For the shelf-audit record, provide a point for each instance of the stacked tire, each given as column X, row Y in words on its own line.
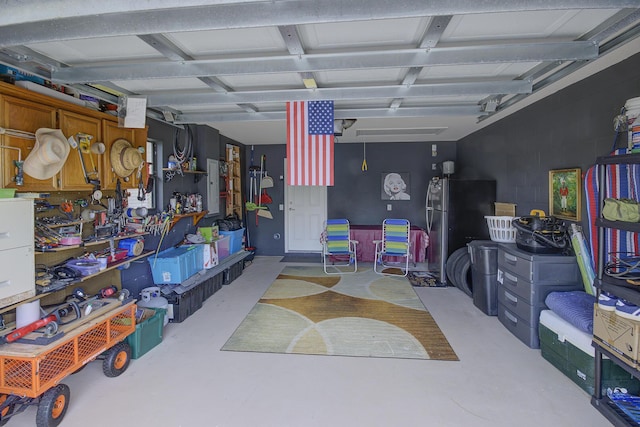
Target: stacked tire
column 458, row 268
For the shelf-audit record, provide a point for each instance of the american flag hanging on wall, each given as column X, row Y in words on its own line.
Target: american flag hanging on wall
column 310, row 143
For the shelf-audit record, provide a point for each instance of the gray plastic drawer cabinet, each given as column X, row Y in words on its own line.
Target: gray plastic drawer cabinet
column 524, row 281
column 537, row 268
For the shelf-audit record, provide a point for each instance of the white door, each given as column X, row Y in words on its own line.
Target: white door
column 305, row 214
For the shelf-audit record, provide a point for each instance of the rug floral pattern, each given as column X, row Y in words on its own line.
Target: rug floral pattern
column 364, row 314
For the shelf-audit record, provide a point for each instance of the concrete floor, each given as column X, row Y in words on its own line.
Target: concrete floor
column 187, row 381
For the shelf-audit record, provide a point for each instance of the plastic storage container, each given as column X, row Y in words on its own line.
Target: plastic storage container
column 484, row 269
column 185, row 304
column 212, row 285
column 175, row 265
column 524, row 281
column 224, row 250
column 569, row 349
column 232, row 273
column 148, row 333
column 235, row 242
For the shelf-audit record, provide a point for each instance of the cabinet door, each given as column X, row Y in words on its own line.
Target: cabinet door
column 111, row 133
column 18, row 114
column 72, row 175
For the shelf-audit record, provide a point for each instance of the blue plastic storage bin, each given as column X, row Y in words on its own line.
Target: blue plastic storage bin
column 235, row 240
column 175, row 265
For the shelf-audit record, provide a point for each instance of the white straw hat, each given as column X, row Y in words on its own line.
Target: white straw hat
column 48, row 155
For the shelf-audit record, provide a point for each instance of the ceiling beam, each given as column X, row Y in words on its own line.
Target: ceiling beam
column 435, row 110
column 93, row 18
column 177, row 98
column 291, row 38
column 477, row 54
column 430, row 39
column 165, row 46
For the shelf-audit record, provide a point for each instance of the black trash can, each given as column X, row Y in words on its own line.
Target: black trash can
column 484, row 272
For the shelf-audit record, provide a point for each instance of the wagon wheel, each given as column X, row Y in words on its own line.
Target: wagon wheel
column 53, row 406
column 6, row 410
column 116, row 359
column 79, row 369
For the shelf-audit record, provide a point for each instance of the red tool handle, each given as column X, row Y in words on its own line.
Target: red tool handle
column 27, row 329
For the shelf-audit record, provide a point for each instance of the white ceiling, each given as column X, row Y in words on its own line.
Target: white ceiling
column 407, row 70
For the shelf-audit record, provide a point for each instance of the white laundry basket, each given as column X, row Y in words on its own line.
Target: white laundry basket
column 500, row 228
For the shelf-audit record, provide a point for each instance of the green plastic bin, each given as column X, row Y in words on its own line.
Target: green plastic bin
column 148, row 334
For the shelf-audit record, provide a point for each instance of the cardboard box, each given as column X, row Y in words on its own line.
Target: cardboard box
column 505, row 209
column 209, row 233
column 210, row 255
column 617, row 333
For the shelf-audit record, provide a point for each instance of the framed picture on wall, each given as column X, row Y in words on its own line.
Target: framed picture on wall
column 396, row 186
column 565, row 199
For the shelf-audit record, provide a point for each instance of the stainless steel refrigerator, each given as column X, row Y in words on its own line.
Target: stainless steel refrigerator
column 455, row 211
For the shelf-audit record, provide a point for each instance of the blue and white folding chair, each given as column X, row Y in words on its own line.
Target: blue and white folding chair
column 393, row 251
column 338, row 250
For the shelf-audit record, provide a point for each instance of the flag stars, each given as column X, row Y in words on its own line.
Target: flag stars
column 320, row 117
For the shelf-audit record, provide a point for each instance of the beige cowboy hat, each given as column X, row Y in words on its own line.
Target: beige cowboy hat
column 124, row 158
column 48, row 155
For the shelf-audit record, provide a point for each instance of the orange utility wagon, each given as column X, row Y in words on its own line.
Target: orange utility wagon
column 30, row 374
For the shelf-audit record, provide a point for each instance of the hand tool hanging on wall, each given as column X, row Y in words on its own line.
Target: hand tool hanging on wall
column 141, row 190
column 365, row 167
column 262, row 211
column 265, row 181
column 83, row 146
column 19, row 164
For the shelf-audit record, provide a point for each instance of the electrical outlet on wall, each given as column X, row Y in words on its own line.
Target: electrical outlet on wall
column 389, row 207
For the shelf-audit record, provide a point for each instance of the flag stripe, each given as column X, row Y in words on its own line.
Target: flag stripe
column 309, row 153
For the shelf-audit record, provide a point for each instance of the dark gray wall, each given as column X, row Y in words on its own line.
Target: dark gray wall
column 356, row 195
column 565, row 130
column 208, row 143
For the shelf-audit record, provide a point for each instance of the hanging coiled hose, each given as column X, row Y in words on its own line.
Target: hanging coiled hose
column 185, row 153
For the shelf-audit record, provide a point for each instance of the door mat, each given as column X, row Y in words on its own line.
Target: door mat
column 315, row 258
column 424, row 279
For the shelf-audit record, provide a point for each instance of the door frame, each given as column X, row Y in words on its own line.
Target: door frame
column 286, row 210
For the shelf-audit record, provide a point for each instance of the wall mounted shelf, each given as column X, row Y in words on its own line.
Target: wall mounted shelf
column 171, row 173
column 196, row 216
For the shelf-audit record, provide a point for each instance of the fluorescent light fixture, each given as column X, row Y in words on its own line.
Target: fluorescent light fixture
column 401, row 131
column 309, row 81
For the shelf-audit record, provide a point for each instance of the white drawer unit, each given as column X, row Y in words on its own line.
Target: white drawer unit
column 17, row 262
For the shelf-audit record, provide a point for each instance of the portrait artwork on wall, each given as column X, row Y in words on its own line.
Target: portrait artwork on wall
column 396, row 186
column 565, row 193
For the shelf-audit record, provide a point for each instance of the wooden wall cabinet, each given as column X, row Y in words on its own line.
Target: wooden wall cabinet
column 112, row 133
column 23, row 115
column 28, row 111
column 72, row 174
